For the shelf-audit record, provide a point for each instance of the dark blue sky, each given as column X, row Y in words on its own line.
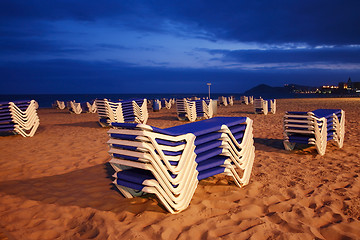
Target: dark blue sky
column 145, row 46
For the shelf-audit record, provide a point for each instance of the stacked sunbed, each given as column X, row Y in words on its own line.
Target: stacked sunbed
column 272, row 106
column 204, row 109
column 90, row 107
column 251, row 99
column 156, row 104
column 86, row 107
column 314, row 128
column 74, row 107
column 222, row 100
column 170, row 162
column 59, row 104
column 244, row 100
column 230, row 100
column 19, row 117
column 194, row 109
column 261, row 106
column 166, row 103
column 186, row 109
column 134, row 110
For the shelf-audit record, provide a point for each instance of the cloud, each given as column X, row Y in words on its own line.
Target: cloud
column 340, row 54
column 111, row 46
column 279, row 21
column 38, row 46
column 62, row 9
column 172, row 46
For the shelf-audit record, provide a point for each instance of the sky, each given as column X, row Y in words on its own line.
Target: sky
column 148, row 46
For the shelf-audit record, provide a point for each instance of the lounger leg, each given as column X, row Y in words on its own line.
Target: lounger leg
column 321, row 148
column 288, row 145
column 340, row 132
column 128, row 192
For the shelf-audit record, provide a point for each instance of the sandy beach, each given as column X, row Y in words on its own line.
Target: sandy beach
column 57, row 184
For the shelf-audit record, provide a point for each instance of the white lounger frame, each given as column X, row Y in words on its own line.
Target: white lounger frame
column 308, row 123
column 175, row 193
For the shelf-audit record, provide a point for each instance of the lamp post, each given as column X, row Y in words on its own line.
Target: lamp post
column 209, row 84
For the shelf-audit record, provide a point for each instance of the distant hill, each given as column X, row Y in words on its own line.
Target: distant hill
column 266, row 91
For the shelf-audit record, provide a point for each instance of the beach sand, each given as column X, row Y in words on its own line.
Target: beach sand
column 57, row 185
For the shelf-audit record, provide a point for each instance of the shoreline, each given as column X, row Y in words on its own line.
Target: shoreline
column 46, row 100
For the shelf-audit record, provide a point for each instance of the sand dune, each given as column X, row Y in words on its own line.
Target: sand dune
column 57, row 185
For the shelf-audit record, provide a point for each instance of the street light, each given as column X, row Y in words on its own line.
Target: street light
column 209, row 84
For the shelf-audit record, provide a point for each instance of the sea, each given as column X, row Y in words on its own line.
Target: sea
column 46, row 100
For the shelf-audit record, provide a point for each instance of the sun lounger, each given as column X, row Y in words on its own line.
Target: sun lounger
column 194, row 109
column 261, row 106
column 230, row 100
column 272, row 106
column 186, row 109
column 206, row 172
column 244, row 100
column 59, row 104
column 251, row 99
column 165, row 103
column 134, row 110
column 335, row 124
column 75, row 107
column 91, row 107
column 102, row 112
column 314, row 128
column 223, row 101
column 137, row 109
column 156, row 105
column 19, row 117
column 170, row 162
column 204, row 109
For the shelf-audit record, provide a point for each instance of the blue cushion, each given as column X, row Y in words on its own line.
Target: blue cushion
column 211, row 162
column 326, row 112
column 202, row 127
column 210, row 172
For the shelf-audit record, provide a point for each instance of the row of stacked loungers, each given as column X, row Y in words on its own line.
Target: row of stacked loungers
column 314, row 128
column 75, row 107
column 122, row 111
column 263, row 106
column 204, row 108
column 245, row 100
column 19, row 117
column 83, row 107
column 170, row 162
column 59, row 104
column 157, row 104
column 222, row 100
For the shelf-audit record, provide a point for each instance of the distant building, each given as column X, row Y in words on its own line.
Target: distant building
column 356, row 87
column 349, row 84
column 329, row 89
column 294, row 88
column 353, row 86
column 342, row 86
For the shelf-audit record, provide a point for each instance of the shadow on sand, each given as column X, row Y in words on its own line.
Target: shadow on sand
column 89, row 187
column 87, row 124
column 276, row 145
